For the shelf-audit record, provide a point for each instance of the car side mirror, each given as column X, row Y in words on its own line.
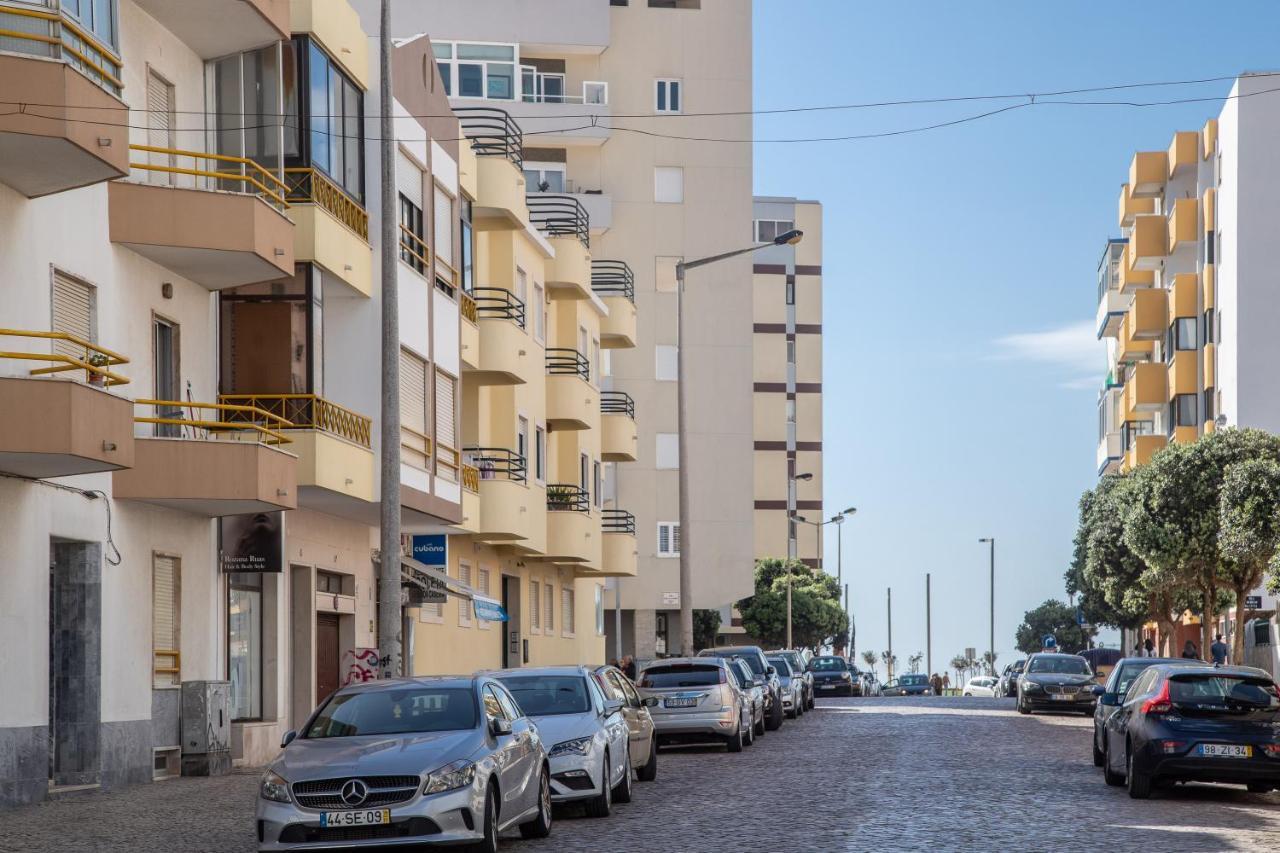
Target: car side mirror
column 649, row 701
column 1099, row 690
column 1110, row 699
column 771, row 670
column 612, row 706
column 499, row 727
column 288, row 738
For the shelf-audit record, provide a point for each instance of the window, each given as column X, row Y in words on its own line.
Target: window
column 464, row 606
column 413, row 250
column 166, row 572
column 791, row 352
column 246, row 87
column 550, row 599
column 791, row 411
column 477, row 70
column 664, row 274
column 567, row 621
column 595, row 361
column 335, row 110
column 534, row 620
column 664, row 363
column 74, row 313
column 539, row 314
column 160, row 124
column 668, row 450
column 414, row 443
column 600, row 612
column 522, row 285
column 522, row 437
column 446, row 431
column 544, row 177
column 1184, row 333
column 492, row 707
column 595, row 483
column 467, row 262
column 98, row 16
column 584, row 471
column 1184, row 410
column 443, row 230
column 539, row 454
column 668, row 539
column 165, row 353
column 668, row 184
column 595, row 92
column 1210, row 333
column 1208, row 405
column 666, row 96
column 244, row 645
column 768, row 229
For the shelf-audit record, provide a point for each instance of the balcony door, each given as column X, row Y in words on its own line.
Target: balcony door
column 160, row 128
column 164, row 347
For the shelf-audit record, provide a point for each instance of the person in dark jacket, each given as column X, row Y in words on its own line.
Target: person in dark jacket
column 1189, row 651
column 629, row 667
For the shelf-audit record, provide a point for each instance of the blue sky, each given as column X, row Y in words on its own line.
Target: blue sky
column 961, row 370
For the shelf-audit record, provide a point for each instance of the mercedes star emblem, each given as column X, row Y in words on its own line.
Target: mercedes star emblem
column 354, row 792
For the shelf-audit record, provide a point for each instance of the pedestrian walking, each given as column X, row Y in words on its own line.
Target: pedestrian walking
column 1137, row 650
column 936, row 683
column 1189, row 651
column 1148, row 648
column 1219, row 651
column 946, row 681
column 629, row 667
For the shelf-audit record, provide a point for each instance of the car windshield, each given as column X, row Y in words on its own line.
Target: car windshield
column 395, row 711
column 913, row 680
column 1066, row 665
column 1128, row 673
column 549, row 695
column 829, row 665
column 1228, row 691
column 681, row 676
column 782, row 666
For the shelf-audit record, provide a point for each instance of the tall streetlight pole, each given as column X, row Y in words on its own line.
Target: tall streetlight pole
column 789, row 238
column 928, row 622
column 835, row 519
column 991, row 649
column 888, row 605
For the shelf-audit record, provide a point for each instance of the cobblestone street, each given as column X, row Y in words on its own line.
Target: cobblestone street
column 859, row 774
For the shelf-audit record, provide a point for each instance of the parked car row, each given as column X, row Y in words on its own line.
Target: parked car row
column 459, row 760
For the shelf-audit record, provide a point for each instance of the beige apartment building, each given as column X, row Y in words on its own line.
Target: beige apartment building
column 573, row 76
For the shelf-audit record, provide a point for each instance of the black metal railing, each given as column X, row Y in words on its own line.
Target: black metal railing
column 566, row 498
column 496, row 463
column 493, row 133
column 617, row 403
column 618, row 521
column 559, row 216
column 567, row 362
column 613, row 278
column 495, row 303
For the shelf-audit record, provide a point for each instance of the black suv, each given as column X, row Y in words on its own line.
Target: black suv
column 764, row 673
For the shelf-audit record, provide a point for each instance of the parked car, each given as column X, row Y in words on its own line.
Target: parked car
column 589, row 753
column 831, row 675
column 1111, row 695
column 792, row 687
column 635, row 710
column 755, row 658
column 1056, row 682
column 1009, row 678
column 981, row 685
column 416, row 760
column 697, row 700
column 911, row 684
column 751, row 687
column 799, row 661
column 1195, row 724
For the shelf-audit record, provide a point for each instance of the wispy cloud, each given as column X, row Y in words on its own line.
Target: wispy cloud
column 1072, row 348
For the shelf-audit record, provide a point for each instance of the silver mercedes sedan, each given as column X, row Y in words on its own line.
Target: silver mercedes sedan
column 441, row 760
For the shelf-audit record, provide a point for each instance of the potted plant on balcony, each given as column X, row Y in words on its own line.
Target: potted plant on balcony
column 97, row 360
column 561, row 497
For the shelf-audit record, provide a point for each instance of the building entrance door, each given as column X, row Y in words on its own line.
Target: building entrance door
column 327, row 655
column 512, row 645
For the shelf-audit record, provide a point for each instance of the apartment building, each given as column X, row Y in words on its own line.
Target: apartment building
column 188, row 390
column 562, row 70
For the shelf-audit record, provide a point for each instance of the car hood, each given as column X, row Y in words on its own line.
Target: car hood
column 330, row 758
column 555, row 728
column 831, row 675
column 1044, row 678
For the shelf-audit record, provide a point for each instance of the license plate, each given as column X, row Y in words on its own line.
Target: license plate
column 680, row 703
column 367, row 817
column 826, row 687
column 1224, row 750
column 1061, row 697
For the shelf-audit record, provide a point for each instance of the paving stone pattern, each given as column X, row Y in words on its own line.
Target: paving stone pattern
column 857, row 774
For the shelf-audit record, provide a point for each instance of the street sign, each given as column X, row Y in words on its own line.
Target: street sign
column 1049, row 643
column 431, row 549
column 971, row 653
column 1253, row 602
column 671, row 599
column 488, row 610
column 1080, row 620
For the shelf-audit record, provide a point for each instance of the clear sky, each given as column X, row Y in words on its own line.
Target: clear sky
column 961, row 367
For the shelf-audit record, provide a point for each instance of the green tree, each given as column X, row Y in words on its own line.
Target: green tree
column 706, row 624
column 959, row 663
column 1104, row 571
column 889, row 661
column 816, row 615
column 1250, row 531
column 913, row 661
column 870, row 659
column 1056, row 618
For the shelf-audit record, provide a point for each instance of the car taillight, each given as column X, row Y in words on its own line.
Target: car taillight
column 1271, row 749
column 1160, row 703
column 1171, row 747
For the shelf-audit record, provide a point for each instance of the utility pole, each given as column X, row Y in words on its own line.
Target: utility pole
column 889, row 608
column 991, row 541
column 928, row 623
column 848, row 623
column 389, row 609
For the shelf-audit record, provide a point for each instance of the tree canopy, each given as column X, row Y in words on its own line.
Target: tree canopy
column 1056, row 618
column 817, row 618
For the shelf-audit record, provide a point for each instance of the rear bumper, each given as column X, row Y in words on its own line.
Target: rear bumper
column 1237, row 771
column 716, row 724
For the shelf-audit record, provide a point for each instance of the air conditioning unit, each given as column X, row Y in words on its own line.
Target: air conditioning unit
column 205, row 725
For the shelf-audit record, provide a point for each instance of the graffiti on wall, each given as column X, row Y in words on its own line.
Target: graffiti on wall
column 359, row 666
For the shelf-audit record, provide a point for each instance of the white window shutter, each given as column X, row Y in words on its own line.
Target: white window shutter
column 164, row 619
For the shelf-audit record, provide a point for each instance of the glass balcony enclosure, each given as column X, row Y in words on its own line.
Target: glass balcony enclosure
column 246, row 93
column 82, row 33
column 497, row 72
column 324, row 118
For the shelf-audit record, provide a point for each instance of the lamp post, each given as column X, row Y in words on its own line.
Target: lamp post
column 837, row 519
column 991, row 540
column 789, row 238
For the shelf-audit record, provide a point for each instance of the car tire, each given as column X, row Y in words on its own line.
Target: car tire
column 1022, row 708
column 812, row 702
column 540, row 826
column 775, row 718
column 749, row 737
column 622, row 791
column 759, row 728
column 649, row 771
column 1139, row 784
column 601, row 805
column 489, row 843
column 968, row 694
column 799, row 706
column 1112, row 778
column 733, row 742
column 1098, row 758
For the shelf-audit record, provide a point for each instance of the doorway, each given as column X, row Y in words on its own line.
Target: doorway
column 327, row 655
column 75, row 663
column 511, row 638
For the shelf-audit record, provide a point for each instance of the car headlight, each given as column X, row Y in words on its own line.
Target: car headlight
column 1030, row 687
column 846, row 676
column 577, row 746
column 274, row 787
column 459, row 774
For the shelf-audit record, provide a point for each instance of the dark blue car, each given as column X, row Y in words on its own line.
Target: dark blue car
column 912, row 684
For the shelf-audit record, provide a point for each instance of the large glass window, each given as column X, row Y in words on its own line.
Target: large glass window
column 466, row 263
column 334, row 106
column 412, row 244
column 244, row 645
column 97, row 16
column 246, row 93
column 477, row 70
column 1184, row 410
column 270, row 336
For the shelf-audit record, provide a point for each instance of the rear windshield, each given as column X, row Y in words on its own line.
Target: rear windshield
column 548, row 695
column 388, row 712
column 681, row 676
column 830, row 665
column 781, row 665
column 1067, row 665
column 911, row 680
column 1226, row 690
column 753, row 660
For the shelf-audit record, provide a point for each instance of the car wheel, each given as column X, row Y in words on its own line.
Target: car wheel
column 649, row 771
column 1022, row 708
column 749, row 736
column 758, row 726
column 968, row 694
column 775, row 716
column 734, row 741
column 1098, row 757
column 489, row 844
column 799, row 706
column 1139, row 783
column 622, row 792
column 812, row 701
column 1109, row 776
column 540, row 826
column 601, row 805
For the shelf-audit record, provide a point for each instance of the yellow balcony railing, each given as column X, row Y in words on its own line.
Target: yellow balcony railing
column 414, row 250
column 253, row 178
column 307, row 411
column 471, row 478
column 62, row 38
column 206, row 420
column 307, row 185
column 70, row 353
column 467, row 305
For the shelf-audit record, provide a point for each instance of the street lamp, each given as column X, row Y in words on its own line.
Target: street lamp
column 990, row 540
column 788, row 238
column 837, row 519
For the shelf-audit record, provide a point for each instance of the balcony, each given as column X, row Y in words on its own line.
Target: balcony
column 1141, row 449
column 564, row 221
column 1184, row 223
column 1145, row 390
column 1210, row 366
column 499, row 148
column 1185, row 434
column 1109, row 453
column 1184, row 373
column 1184, row 151
column 1147, row 173
column 225, row 229
column 210, row 459
column 333, row 445
column 599, row 207
column 620, row 556
column 1183, row 295
column 470, row 478
column 1131, row 349
column 215, row 28
column 1149, row 314
column 1131, row 279
column 510, row 511
column 1112, row 308
column 618, row 437
column 563, row 121
column 614, row 283
column 61, row 427
column 332, row 228
column 72, row 130
column 469, row 331
column 1209, row 138
column 1148, row 243
column 1131, row 207
column 504, row 352
column 573, row 533
column 572, row 401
